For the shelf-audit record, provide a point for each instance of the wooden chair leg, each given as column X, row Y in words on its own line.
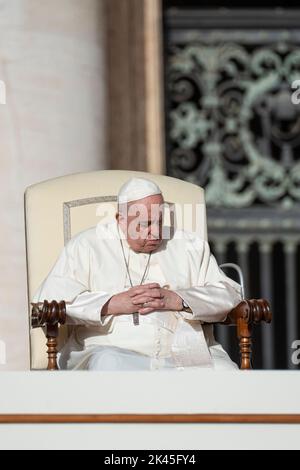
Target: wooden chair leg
column 245, row 315
column 52, row 335
column 244, row 331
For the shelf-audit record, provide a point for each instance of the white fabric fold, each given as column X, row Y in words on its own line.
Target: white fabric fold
column 213, row 294
column 189, row 348
column 86, row 309
column 211, row 302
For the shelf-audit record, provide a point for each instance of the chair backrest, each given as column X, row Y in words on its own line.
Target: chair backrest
column 58, row 209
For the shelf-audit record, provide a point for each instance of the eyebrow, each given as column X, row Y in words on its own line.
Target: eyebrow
column 150, row 221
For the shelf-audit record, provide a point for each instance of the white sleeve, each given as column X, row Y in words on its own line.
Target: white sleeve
column 69, row 281
column 211, row 300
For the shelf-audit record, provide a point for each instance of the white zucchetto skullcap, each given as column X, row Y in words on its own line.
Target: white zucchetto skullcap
column 137, row 188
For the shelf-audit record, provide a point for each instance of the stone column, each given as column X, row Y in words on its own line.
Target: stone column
column 53, row 123
column 135, row 85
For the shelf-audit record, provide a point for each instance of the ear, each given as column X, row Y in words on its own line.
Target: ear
column 119, row 217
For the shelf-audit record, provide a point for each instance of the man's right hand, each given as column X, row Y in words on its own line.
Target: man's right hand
column 122, row 303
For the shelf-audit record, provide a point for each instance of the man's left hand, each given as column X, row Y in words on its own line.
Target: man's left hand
column 171, row 300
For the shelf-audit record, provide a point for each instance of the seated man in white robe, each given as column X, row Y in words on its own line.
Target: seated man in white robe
column 137, row 300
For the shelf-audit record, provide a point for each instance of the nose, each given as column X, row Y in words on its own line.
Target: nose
column 154, row 233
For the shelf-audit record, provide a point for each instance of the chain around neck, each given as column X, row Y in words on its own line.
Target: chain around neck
column 135, row 315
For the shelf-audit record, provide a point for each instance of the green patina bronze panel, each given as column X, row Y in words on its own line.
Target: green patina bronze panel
column 232, row 125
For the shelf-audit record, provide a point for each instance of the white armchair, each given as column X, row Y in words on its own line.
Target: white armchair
column 57, row 209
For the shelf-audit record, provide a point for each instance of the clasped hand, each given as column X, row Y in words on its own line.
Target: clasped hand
column 144, row 299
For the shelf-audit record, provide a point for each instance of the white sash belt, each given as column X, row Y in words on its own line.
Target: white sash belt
column 164, row 320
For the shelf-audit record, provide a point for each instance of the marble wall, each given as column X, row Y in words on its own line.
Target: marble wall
column 52, row 64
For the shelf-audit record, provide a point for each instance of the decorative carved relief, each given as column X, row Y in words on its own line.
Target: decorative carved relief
column 233, row 127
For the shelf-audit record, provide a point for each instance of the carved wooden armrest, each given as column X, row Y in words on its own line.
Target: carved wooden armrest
column 49, row 315
column 246, row 314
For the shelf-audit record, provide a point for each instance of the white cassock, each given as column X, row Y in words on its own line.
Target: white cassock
column 91, row 269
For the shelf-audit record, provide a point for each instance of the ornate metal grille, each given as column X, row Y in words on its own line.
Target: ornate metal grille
column 233, row 129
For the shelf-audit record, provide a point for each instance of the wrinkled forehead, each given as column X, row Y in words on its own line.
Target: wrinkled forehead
column 145, row 209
